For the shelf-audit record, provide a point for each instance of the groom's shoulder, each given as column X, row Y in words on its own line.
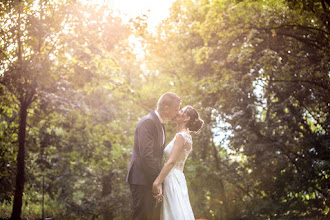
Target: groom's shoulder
column 147, row 120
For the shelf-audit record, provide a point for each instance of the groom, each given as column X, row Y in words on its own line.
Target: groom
column 145, row 165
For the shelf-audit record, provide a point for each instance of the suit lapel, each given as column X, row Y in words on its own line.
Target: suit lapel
column 159, row 129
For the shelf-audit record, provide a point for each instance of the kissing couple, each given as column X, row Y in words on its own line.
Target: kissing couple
column 161, row 192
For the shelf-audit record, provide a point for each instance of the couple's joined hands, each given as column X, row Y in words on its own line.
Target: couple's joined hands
column 157, row 192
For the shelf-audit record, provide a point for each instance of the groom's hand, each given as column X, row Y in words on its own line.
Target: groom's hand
column 159, row 197
column 157, row 192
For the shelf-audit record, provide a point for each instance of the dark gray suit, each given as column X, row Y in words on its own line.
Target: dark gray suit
column 145, row 166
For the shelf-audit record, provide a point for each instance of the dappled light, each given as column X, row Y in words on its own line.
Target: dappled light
column 76, row 77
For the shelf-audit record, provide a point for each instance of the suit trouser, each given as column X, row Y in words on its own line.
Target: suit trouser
column 143, row 203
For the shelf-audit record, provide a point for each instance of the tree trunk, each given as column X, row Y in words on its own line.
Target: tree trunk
column 20, row 174
column 225, row 209
column 106, row 191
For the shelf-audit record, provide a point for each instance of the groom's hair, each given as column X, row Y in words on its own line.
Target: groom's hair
column 167, row 99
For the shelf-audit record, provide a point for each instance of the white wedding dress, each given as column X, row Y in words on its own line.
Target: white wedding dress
column 176, row 204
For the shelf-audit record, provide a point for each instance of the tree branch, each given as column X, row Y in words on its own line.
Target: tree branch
column 4, row 54
column 53, row 47
column 302, row 81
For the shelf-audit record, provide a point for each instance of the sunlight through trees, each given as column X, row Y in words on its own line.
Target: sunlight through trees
column 73, row 86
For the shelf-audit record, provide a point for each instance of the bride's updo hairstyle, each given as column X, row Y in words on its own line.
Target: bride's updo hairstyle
column 195, row 123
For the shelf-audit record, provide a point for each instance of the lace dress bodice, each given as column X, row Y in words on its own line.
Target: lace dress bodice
column 187, row 150
column 176, row 204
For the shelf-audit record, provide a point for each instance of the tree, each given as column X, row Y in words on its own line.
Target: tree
column 245, row 60
column 49, row 52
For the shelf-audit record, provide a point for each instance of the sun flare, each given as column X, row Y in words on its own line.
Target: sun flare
column 156, row 11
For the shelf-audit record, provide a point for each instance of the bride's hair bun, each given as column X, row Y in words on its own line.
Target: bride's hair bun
column 195, row 123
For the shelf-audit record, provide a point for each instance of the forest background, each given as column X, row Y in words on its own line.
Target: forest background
column 72, row 89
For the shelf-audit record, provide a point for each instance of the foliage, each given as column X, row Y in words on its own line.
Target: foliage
column 260, row 71
column 257, row 71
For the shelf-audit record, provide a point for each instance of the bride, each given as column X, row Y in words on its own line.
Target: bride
column 174, row 193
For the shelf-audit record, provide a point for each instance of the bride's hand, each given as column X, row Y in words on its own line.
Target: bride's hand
column 157, row 192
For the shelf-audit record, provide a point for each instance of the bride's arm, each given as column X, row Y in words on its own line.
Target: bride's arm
column 175, row 153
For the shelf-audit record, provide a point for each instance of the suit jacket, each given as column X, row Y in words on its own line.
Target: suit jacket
column 148, row 150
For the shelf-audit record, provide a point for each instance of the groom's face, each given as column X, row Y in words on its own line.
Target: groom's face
column 173, row 110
